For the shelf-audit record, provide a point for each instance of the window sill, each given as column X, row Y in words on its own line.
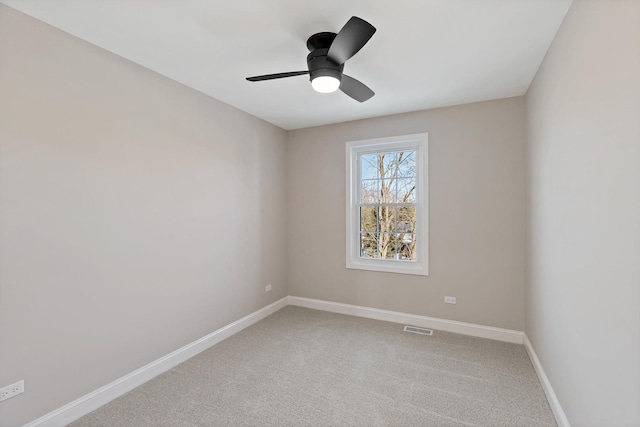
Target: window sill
column 398, row 267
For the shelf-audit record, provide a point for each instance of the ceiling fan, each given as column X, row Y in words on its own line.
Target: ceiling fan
column 329, row 52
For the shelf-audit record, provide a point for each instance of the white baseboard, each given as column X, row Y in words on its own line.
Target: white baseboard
column 489, row 332
column 103, row 395
column 558, row 413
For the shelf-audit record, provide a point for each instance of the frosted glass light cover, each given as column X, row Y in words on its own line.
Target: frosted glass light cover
column 325, row 84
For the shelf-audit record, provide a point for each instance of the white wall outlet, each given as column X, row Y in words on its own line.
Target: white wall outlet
column 450, row 300
column 267, row 288
column 11, row 390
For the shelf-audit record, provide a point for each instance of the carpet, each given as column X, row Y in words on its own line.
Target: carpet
column 303, row 367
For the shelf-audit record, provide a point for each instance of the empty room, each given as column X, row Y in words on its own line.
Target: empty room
column 337, row 213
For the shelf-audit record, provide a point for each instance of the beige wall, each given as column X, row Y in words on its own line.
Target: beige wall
column 136, row 215
column 583, row 297
column 477, row 215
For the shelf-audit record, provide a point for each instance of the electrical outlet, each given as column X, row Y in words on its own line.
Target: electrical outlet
column 11, row 390
column 450, row 300
column 267, row 288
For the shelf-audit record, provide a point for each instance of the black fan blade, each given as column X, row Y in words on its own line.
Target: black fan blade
column 355, row 88
column 276, row 76
column 355, row 34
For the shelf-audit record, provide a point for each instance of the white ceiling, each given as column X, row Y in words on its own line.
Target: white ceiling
column 425, row 54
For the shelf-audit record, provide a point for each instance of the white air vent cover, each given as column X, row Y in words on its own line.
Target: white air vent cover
column 415, row 330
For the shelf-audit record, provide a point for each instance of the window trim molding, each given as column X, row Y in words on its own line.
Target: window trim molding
column 418, row 142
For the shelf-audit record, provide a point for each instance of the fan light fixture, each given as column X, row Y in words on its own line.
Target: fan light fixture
column 325, row 62
column 325, row 84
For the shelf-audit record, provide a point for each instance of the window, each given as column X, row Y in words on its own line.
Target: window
column 387, row 204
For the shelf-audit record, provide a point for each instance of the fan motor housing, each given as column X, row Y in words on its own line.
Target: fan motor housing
column 320, row 41
column 320, row 65
column 317, row 61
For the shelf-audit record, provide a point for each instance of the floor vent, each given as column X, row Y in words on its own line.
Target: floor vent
column 421, row 331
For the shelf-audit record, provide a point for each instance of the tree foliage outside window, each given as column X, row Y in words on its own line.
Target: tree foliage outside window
column 387, row 205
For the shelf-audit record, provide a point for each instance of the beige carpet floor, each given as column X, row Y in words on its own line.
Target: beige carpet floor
column 302, row 367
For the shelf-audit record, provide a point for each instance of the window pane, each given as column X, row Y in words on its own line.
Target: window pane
column 387, row 191
column 369, row 166
column 368, row 245
column 389, row 165
column 368, row 221
column 386, row 217
column 406, row 219
column 407, row 247
column 407, row 164
column 370, row 191
column 406, row 190
column 387, row 245
column 393, row 244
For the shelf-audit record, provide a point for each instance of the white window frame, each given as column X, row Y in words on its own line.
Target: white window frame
column 419, row 144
